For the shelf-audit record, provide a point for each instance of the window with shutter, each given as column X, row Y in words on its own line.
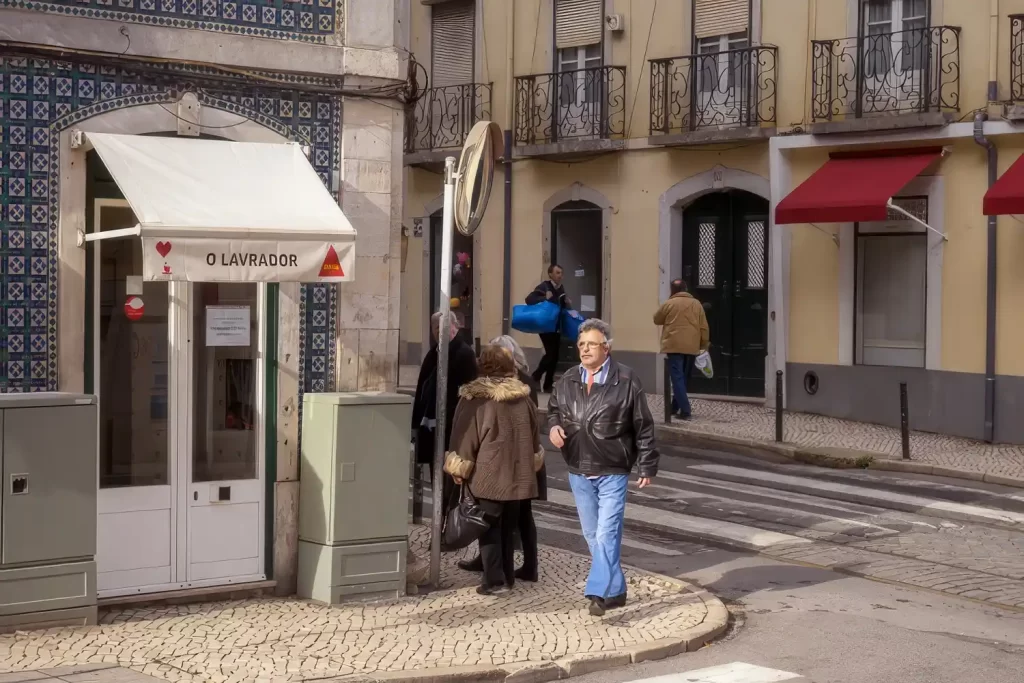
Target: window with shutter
column 578, row 22
column 720, row 17
column 452, row 33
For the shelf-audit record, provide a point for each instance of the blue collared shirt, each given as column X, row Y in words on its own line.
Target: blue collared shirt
column 600, row 376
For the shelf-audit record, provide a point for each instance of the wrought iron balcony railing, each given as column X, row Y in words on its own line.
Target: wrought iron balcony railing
column 578, row 104
column 1017, row 57
column 916, row 70
column 735, row 88
column 443, row 116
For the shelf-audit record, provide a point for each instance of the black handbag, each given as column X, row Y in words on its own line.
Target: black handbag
column 464, row 523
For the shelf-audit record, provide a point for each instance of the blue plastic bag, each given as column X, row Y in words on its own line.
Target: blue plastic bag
column 571, row 321
column 539, row 318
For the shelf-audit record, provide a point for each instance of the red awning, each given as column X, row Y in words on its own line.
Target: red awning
column 1007, row 195
column 854, row 187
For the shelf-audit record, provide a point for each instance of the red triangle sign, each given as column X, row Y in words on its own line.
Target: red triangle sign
column 331, row 266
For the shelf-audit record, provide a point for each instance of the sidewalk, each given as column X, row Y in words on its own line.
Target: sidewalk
column 538, row 632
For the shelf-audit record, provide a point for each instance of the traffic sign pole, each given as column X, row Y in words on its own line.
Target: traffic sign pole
column 443, row 340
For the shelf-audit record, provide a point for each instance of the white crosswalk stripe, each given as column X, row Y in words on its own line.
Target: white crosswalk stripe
column 546, row 522
column 736, row 672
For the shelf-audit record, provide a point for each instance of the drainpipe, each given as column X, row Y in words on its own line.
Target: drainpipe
column 506, row 270
column 990, row 288
column 993, row 52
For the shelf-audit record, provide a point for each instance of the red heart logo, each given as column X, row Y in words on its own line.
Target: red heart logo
column 163, row 248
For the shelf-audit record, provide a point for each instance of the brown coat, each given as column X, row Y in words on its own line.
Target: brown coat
column 495, row 444
column 684, row 327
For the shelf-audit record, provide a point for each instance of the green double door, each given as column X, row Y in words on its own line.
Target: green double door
column 725, row 263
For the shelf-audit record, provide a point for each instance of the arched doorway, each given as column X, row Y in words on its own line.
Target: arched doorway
column 462, row 276
column 577, row 245
column 725, row 264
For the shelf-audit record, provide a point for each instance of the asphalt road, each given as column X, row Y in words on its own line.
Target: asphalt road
column 864, row 583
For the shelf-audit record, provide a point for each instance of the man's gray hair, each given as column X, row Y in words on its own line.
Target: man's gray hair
column 597, row 325
column 436, row 319
column 512, row 346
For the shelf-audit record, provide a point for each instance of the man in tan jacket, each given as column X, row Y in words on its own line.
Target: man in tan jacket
column 684, row 334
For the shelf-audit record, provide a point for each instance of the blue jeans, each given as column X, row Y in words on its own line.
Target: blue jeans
column 601, row 504
column 680, row 365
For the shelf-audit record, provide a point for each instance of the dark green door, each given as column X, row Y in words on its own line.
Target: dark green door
column 725, row 263
column 577, row 245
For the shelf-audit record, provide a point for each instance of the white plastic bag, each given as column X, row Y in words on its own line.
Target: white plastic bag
column 703, row 363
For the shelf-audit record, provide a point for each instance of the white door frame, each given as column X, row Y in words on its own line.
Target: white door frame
column 180, row 399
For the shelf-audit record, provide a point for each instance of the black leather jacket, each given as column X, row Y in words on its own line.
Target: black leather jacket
column 609, row 430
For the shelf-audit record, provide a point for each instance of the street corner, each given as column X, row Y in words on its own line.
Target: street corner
column 537, row 632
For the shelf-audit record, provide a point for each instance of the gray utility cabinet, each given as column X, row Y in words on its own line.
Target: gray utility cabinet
column 48, row 452
column 353, row 495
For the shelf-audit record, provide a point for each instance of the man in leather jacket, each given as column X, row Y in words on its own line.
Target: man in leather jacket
column 598, row 417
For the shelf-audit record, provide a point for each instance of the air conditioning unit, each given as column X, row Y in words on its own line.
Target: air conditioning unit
column 615, row 23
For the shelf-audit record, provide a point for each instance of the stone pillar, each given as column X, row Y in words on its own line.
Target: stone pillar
column 286, row 485
column 371, row 196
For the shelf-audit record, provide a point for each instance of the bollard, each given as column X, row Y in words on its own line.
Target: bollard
column 778, row 406
column 904, row 421
column 667, row 391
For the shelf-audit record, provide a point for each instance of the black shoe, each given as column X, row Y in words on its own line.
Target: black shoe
column 474, row 565
column 680, row 416
column 596, row 606
column 500, row 589
column 615, row 601
column 523, row 575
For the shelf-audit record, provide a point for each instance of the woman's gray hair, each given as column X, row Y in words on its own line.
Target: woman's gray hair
column 597, row 325
column 512, row 346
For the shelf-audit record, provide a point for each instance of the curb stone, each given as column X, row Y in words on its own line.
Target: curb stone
column 833, row 458
column 715, row 623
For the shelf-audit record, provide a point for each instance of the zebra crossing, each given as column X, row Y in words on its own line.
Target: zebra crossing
column 735, row 672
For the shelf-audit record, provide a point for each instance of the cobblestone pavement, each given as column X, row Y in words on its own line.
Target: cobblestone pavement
column 295, row 640
column 753, row 421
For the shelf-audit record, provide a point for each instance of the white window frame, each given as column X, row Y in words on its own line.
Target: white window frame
column 584, row 57
column 932, row 187
column 896, row 24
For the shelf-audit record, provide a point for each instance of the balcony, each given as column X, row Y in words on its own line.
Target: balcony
column 570, row 112
column 904, row 79
column 439, row 121
column 1014, row 109
column 713, row 97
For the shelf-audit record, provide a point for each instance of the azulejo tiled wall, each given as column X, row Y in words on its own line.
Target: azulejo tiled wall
column 40, row 98
column 307, row 20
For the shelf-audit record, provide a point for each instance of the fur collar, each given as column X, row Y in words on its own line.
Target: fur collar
column 502, row 389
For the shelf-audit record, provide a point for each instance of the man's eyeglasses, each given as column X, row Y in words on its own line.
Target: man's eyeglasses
column 586, row 346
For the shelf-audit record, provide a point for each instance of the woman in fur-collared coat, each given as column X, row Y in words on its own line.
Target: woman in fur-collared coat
column 496, row 452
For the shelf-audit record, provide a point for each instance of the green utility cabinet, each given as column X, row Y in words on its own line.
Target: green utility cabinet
column 353, row 495
column 48, row 455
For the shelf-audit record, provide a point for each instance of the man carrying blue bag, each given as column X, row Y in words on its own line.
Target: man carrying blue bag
column 553, row 291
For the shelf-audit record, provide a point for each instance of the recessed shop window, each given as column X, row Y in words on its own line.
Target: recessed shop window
column 891, row 289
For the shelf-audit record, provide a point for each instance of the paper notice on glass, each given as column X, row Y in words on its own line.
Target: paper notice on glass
column 580, row 272
column 227, row 326
column 588, row 303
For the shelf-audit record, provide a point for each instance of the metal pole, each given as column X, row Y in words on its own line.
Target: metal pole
column 904, row 421
column 667, row 391
column 443, row 340
column 778, row 406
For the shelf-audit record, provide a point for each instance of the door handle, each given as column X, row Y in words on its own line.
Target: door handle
column 739, row 285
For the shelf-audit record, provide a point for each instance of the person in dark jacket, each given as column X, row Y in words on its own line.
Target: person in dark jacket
column 461, row 370
column 549, row 290
column 530, row 570
column 598, row 417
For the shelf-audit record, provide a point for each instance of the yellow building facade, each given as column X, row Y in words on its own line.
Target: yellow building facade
column 655, row 140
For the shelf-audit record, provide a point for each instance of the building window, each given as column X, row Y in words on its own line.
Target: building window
column 578, row 23
column 895, row 37
column 720, row 67
column 577, row 85
column 891, row 289
column 452, row 43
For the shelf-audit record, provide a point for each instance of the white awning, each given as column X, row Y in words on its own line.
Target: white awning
column 216, row 211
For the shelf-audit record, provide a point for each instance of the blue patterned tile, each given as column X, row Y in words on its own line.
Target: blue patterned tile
column 53, row 95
